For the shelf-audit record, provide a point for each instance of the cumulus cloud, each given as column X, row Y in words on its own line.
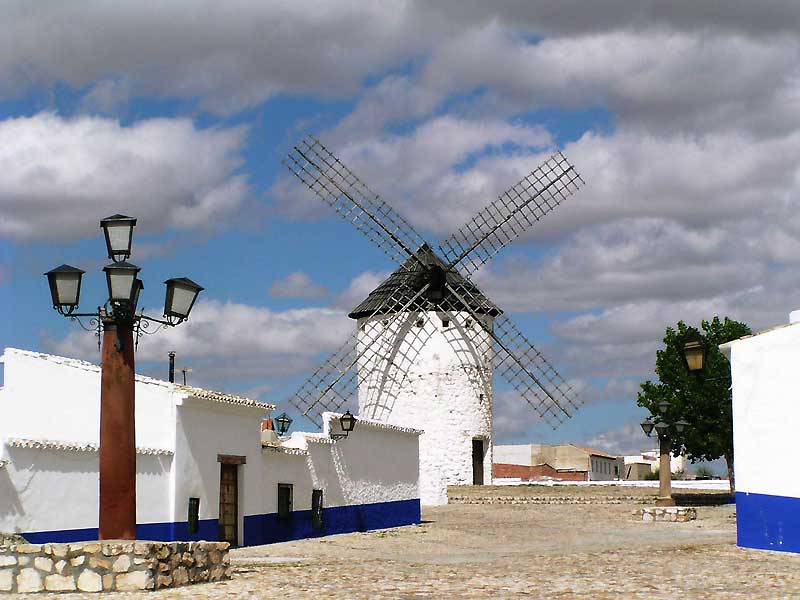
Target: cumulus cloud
column 297, row 285
column 239, row 54
column 167, row 172
column 648, row 76
column 622, row 440
column 230, row 330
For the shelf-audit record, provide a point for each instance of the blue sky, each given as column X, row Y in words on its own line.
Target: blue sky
column 181, row 115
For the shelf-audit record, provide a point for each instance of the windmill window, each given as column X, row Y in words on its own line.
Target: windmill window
column 419, row 322
column 445, row 323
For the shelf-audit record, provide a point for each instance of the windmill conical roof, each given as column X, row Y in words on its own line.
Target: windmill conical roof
column 412, row 276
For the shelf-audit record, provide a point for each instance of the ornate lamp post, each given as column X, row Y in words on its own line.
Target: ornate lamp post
column 663, row 427
column 117, row 319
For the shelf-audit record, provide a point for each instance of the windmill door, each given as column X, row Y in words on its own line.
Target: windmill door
column 229, row 504
column 477, row 462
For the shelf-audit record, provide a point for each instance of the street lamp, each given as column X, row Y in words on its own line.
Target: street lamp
column 347, row 422
column 284, row 421
column 118, row 321
column 662, row 428
column 694, row 352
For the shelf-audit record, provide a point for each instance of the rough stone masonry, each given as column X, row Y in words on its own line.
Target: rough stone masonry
column 110, row 565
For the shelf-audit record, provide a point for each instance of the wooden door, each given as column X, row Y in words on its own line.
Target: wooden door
column 477, row 462
column 229, row 504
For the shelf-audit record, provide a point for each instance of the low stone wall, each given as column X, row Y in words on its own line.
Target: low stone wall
column 110, row 565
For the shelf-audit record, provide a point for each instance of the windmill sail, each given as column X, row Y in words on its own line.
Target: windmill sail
column 513, row 213
column 351, row 198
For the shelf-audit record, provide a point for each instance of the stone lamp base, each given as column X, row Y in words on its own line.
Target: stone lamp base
column 672, row 514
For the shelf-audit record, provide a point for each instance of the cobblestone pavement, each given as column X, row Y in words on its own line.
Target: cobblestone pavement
column 512, row 551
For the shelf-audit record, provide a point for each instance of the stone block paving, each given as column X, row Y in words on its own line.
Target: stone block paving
column 512, row 551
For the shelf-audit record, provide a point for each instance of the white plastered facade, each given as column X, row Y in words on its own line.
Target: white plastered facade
column 49, row 480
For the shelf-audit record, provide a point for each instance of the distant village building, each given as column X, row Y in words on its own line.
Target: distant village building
column 639, row 466
column 567, row 462
column 205, row 469
column 766, row 421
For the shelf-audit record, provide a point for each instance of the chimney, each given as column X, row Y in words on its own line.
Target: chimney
column 269, row 437
column 172, row 366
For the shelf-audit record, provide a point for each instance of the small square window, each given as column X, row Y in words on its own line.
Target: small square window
column 284, row 500
column 419, row 322
column 445, row 323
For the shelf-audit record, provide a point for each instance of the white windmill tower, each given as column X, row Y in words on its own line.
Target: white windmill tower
column 428, row 341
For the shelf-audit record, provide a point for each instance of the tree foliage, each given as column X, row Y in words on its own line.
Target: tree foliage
column 703, row 400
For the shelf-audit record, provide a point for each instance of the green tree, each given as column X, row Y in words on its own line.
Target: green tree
column 704, row 399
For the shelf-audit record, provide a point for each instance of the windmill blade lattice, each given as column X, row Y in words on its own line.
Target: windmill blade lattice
column 334, row 384
column 351, row 198
column 513, row 213
column 518, row 362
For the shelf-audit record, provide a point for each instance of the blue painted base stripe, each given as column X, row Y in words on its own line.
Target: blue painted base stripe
column 768, row 522
column 268, row 528
column 208, row 529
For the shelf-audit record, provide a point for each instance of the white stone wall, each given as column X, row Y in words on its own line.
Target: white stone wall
column 766, row 412
column 56, row 398
column 436, row 379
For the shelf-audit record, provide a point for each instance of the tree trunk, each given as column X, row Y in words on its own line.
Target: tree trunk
column 731, row 478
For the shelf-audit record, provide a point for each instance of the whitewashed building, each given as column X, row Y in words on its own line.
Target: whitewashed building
column 202, row 469
column 766, row 420
column 433, row 371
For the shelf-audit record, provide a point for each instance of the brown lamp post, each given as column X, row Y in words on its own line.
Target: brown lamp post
column 118, row 321
column 662, row 428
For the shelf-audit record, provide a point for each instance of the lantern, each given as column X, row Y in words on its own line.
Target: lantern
column 65, row 287
column 118, row 230
column 181, row 294
column 284, row 421
column 694, row 352
column 347, row 422
column 121, row 280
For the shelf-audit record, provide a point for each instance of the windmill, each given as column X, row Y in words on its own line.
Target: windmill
column 428, row 341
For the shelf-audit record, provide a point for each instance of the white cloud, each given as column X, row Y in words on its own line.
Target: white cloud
column 359, row 288
column 647, row 75
column 166, row 172
column 297, row 285
column 625, row 439
column 229, row 332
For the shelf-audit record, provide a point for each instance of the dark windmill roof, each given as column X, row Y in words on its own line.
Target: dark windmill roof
column 413, row 276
